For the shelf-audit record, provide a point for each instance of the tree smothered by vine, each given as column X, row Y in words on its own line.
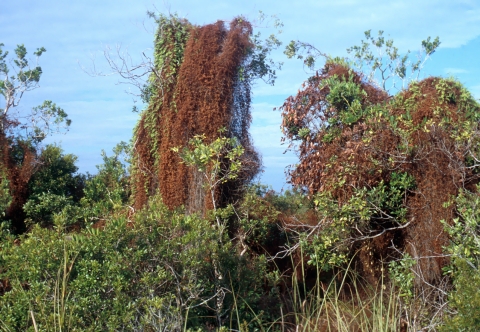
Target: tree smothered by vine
column 202, row 83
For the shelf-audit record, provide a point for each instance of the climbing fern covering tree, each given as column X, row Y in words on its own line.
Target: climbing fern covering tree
column 379, row 232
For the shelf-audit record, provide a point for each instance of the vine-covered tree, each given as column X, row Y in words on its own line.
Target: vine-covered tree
column 201, row 83
column 383, row 168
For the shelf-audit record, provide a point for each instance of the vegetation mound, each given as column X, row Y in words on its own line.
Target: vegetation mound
column 392, row 162
column 203, row 85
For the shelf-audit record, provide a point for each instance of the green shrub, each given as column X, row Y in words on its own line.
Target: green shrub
column 108, row 191
column 53, row 188
column 465, row 264
column 163, row 270
column 465, row 298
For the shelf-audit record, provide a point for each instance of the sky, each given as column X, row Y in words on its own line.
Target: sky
column 76, row 35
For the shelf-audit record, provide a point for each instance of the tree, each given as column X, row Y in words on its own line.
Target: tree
column 54, row 186
column 388, row 63
column 25, row 78
column 21, row 134
column 381, row 65
column 17, row 79
column 380, row 167
column 201, row 83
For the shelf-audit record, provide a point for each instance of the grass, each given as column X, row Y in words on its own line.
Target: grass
column 347, row 306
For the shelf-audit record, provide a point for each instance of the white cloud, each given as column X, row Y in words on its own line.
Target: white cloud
column 454, row 71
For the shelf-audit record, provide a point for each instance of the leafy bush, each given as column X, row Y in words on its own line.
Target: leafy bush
column 5, row 197
column 465, row 264
column 162, row 269
column 465, row 298
column 42, row 208
column 108, row 191
column 53, row 187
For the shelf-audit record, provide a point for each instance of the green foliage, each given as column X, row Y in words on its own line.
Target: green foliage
column 384, row 62
column 402, row 276
column 465, row 229
column 388, row 63
column 44, row 119
column 42, row 208
column 169, row 45
column 460, row 123
column 344, row 97
column 367, row 212
column 465, row 299
column 390, row 200
column 5, row 197
column 328, row 248
column 56, row 174
column 54, row 187
column 108, row 191
column 207, row 158
column 157, row 272
column 344, row 94
column 257, row 225
column 218, row 162
column 58, row 196
column 291, row 201
column 304, row 51
column 465, row 264
column 26, row 78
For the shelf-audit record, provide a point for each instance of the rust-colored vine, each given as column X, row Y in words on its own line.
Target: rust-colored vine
column 415, row 132
column 18, row 161
column 207, row 93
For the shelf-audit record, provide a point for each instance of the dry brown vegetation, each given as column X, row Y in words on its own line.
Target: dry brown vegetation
column 18, row 160
column 418, row 132
column 203, row 93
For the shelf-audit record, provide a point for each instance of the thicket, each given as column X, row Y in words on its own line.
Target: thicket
column 153, row 272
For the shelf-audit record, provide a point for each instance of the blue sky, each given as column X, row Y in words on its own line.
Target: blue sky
column 77, row 33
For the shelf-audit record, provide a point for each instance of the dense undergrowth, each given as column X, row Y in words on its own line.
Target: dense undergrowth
column 164, row 271
column 380, row 233
column 159, row 271
column 154, row 272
